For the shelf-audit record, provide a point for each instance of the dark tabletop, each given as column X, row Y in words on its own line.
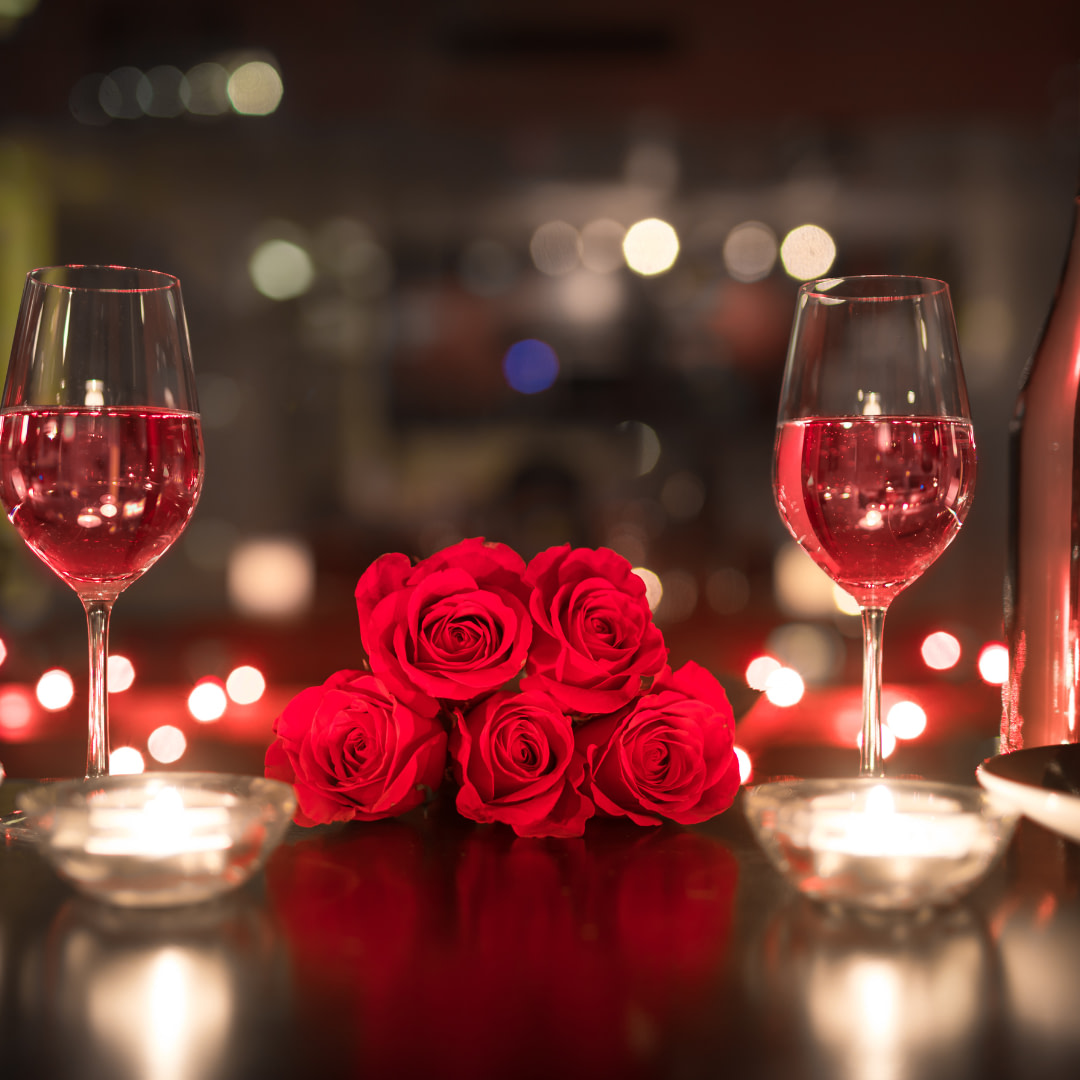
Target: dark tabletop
column 434, row 948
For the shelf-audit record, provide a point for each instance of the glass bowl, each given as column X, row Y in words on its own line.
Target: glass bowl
column 887, row 845
column 158, row 839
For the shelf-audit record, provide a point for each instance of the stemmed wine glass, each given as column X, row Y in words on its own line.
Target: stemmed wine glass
column 101, row 455
column 874, row 462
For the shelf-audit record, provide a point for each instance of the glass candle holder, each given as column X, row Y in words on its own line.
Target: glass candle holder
column 879, row 844
column 158, row 839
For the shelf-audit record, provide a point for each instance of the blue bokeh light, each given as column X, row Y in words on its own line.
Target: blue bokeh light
column 530, row 366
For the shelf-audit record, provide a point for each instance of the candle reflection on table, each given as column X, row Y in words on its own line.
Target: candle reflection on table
column 189, row 993
column 886, row 999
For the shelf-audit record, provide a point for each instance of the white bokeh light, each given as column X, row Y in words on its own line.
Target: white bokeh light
column 654, row 590
column 207, row 701
column 750, row 251
column 906, row 719
column 120, row 673
column 166, row 744
column 759, row 670
column 807, row 252
column 785, row 687
column 281, row 269
column 993, row 664
column 126, row 761
column 255, row 88
column 650, row 247
column 271, row 577
column 245, row 684
column 55, row 690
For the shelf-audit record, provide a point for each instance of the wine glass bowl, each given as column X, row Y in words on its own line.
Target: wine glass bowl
column 874, row 462
column 101, row 458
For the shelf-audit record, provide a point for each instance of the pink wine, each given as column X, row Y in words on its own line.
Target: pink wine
column 875, row 499
column 100, row 494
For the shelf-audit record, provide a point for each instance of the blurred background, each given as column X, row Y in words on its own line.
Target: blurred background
column 525, row 271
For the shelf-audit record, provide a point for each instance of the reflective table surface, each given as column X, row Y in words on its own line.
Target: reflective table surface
column 434, row 948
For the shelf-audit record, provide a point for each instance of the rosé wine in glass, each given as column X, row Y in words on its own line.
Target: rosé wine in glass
column 101, row 454
column 99, row 494
column 874, row 500
column 874, row 461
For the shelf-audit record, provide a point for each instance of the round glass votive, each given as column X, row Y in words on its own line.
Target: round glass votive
column 158, row 839
column 889, row 845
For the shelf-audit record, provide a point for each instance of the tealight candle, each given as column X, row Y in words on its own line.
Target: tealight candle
column 159, row 839
column 879, row 827
column 886, row 844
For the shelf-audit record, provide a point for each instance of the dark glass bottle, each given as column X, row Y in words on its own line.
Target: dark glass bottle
column 1042, row 602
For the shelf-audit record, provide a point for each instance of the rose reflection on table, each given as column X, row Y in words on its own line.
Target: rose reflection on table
column 485, row 955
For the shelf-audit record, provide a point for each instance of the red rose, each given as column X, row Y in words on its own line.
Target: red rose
column 353, row 753
column 451, row 628
column 515, row 761
column 669, row 755
column 595, row 647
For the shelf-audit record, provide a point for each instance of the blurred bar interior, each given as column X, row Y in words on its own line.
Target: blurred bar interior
column 419, row 312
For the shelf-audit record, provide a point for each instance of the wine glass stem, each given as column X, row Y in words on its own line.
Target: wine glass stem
column 871, row 762
column 97, row 747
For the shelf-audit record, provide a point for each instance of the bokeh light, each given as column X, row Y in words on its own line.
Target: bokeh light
column 654, row 589
column 807, row 252
column 126, row 761
column 906, row 719
column 121, row 673
column 813, row 650
column 785, row 687
column 55, row 690
column 589, row 299
column 121, row 92
column 255, row 88
column 746, row 766
column 245, row 684
column 801, row 587
column 207, row 701
column 650, row 247
column 166, row 744
column 750, row 251
column 281, row 269
column 205, row 90
column 940, row 650
column 162, row 92
column 844, row 602
column 555, row 248
column 3, row 652
column 601, row 246
column 271, row 578
column 993, row 664
column 530, row 366
column 16, row 711
column 760, row 670
column 888, row 741
column 647, row 444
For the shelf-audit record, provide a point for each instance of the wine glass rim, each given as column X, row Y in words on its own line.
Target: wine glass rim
column 874, row 288
column 155, row 280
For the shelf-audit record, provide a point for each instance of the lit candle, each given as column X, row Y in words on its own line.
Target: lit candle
column 164, row 825
column 880, row 827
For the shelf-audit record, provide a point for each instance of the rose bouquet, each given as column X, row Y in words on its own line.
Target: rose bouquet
column 541, row 693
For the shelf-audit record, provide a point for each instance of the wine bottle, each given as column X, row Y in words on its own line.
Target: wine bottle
column 1042, row 602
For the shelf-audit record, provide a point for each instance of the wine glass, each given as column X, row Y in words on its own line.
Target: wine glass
column 874, row 462
column 101, row 455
